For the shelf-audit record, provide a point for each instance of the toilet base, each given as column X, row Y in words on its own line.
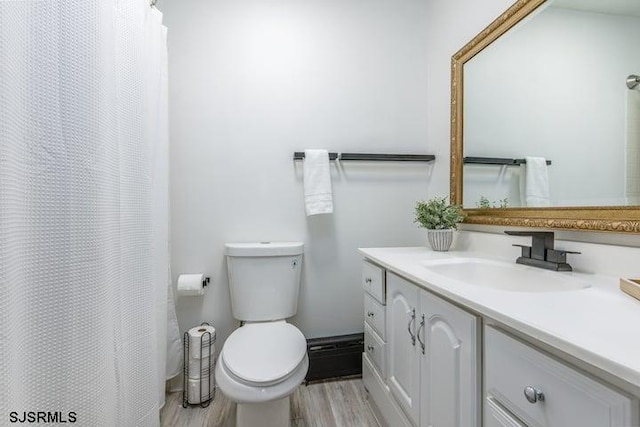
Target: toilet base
column 274, row 413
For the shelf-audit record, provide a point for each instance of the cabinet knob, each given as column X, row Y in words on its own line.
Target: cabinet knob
column 367, row 280
column 370, row 347
column 370, row 313
column 533, row 394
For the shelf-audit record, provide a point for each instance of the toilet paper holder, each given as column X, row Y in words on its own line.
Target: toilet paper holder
column 193, row 284
column 207, row 345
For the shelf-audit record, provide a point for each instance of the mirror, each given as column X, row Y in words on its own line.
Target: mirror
column 546, row 117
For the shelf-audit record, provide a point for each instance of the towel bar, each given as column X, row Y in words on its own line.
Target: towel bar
column 495, row 161
column 299, row 155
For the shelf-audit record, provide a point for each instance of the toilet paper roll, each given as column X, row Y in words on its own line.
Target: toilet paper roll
column 194, row 395
column 198, row 346
column 197, row 371
column 191, row 285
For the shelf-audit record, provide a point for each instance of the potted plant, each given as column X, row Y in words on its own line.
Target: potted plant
column 440, row 219
column 484, row 203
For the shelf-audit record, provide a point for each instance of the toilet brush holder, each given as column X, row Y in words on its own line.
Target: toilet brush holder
column 203, row 390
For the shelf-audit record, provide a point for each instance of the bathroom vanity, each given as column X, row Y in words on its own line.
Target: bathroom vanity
column 461, row 339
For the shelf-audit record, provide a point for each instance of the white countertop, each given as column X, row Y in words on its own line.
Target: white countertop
column 599, row 325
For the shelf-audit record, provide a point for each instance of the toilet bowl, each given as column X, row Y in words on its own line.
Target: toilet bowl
column 263, row 362
column 260, row 362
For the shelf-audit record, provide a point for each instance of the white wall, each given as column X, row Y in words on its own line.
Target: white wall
column 253, row 81
column 450, row 25
column 552, row 87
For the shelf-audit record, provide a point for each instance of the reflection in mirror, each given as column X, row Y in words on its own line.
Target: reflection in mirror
column 557, row 88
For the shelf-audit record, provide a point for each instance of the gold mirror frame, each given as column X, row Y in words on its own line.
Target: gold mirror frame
column 624, row 219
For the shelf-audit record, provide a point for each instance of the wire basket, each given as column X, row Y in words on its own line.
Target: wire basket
column 207, row 389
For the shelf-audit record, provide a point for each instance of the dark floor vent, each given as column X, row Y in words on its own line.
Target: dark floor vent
column 333, row 357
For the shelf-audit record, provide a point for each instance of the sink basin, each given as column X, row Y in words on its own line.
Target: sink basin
column 503, row 275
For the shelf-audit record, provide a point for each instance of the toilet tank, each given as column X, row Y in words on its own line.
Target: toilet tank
column 264, row 279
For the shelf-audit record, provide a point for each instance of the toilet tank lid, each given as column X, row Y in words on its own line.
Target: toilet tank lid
column 258, row 249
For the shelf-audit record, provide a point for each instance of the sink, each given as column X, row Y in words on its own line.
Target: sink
column 504, row 276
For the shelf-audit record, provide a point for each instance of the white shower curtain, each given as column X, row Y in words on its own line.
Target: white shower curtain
column 83, row 211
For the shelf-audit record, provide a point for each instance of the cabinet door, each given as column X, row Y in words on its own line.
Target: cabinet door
column 403, row 354
column 450, row 389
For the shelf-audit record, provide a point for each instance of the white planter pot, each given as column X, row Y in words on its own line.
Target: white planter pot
column 440, row 240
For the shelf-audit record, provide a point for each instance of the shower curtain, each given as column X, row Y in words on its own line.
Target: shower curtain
column 83, row 212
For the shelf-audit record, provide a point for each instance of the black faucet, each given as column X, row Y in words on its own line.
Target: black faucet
column 541, row 253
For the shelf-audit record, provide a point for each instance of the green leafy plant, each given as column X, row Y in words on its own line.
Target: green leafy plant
column 484, row 203
column 437, row 214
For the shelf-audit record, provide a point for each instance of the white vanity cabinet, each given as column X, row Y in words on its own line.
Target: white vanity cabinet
column 431, row 357
column 403, row 373
column 450, row 364
column 375, row 357
column 525, row 387
column 453, row 362
column 374, row 284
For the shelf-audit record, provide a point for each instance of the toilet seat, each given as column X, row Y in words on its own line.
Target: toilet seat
column 264, row 354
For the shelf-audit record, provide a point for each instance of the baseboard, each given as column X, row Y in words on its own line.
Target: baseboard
column 335, row 357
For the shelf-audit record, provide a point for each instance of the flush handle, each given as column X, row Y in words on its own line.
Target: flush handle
column 533, row 394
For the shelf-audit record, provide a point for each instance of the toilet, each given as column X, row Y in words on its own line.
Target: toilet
column 265, row 360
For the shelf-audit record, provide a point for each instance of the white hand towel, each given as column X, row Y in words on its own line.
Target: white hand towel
column 536, row 184
column 318, row 198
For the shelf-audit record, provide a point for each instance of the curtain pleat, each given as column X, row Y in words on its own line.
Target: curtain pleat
column 83, row 210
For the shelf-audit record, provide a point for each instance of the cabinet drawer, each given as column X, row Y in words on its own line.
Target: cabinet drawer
column 374, row 347
column 374, row 315
column 497, row 416
column 373, row 281
column 570, row 398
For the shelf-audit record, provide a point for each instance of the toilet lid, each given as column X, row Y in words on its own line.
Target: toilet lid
column 264, row 352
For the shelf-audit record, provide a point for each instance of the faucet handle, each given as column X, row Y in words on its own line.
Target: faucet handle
column 558, row 255
column 526, row 250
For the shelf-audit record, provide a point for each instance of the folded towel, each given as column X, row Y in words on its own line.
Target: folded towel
column 318, row 198
column 536, row 183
